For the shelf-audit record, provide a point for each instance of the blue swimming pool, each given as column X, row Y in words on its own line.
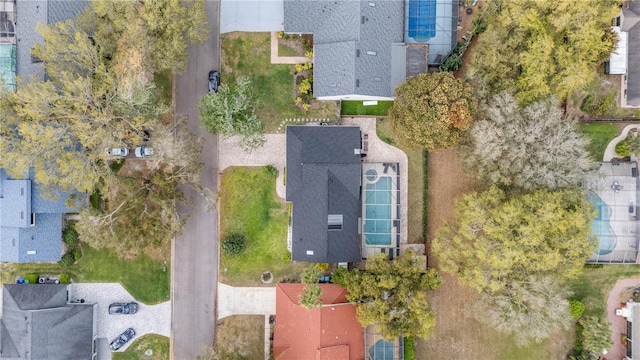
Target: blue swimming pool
column 601, row 226
column 378, row 211
column 421, row 22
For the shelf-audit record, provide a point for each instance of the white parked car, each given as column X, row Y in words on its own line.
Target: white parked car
column 143, row 151
column 118, row 152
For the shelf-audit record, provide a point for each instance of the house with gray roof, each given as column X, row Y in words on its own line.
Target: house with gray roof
column 625, row 59
column 30, row 223
column 18, row 35
column 324, row 187
column 38, row 323
column 364, row 49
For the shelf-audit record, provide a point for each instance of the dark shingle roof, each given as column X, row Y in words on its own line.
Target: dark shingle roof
column 323, row 178
column 631, row 24
column 342, row 29
column 37, row 323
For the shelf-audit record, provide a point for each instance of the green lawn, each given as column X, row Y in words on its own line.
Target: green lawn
column 248, row 55
column 416, row 187
column 600, row 136
column 249, row 205
column 352, row 107
column 593, row 286
column 158, row 344
column 147, row 280
column 286, row 50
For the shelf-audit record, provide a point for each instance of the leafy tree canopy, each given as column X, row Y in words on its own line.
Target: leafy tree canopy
column 543, row 47
column 231, row 111
column 433, row 110
column 532, row 147
column 162, row 29
column 596, row 334
column 394, row 295
column 534, row 309
column 64, row 127
column 497, row 240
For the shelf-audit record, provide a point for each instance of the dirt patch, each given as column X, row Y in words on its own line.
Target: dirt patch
column 459, row 339
column 447, row 182
column 241, row 337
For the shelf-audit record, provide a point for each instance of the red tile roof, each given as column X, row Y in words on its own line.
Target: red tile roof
column 331, row 332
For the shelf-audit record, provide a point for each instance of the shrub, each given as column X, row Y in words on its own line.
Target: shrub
column 94, row 198
column 70, row 236
column 338, row 276
column 116, row 165
column 67, row 260
column 323, row 266
column 409, row 348
column 234, row 243
column 77, row 254
column 309, row 54
column 576, row 308
column 299, row 67
column 286, row 256
column 271, row 170
column 298, row 100
column 586, row 104
column 280, row 34
column 305, row 86
column 622, row 148
column 65, row 278
column 306, row 107
column 32, row 278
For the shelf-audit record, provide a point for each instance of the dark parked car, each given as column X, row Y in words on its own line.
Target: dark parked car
column 123, row 308
column 214, row 80
column 122, row 339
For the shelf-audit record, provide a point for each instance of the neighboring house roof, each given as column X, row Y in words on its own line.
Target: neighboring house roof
column 327, row 333
column 20, row 241
column 37, row 323
column 28, row 14
column 323, row 180
column 344, row 32
column 631, row 24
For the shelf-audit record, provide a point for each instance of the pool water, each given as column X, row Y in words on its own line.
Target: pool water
column 601, row 225
column 378, row 212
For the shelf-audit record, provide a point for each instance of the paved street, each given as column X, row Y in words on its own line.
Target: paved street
column 195, row 257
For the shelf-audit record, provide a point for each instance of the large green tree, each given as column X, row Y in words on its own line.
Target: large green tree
column 160, row 30
column 64, row 126
column 532, row 147
column 394, row 295
column 142, row 209
column 543, row 47
column 496, row 240
column 533, row 309
column 433, row 110
column 232, row 111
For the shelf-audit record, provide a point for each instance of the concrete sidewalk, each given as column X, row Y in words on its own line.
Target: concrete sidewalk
column 245, row 300
column 275, row 59
column 272, row 153
column 610, row 152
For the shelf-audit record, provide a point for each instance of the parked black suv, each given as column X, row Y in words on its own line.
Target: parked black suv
column 214, row 80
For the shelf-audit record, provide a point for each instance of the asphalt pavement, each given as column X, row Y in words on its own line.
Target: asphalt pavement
column 195, row 253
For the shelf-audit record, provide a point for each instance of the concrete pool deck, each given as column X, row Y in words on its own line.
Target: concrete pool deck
column 380, row 152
